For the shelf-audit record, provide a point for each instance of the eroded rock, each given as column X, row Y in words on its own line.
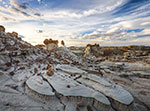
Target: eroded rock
column 76, row 91
column 116, row 92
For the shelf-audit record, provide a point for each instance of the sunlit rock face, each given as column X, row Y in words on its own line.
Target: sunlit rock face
column 93, row 49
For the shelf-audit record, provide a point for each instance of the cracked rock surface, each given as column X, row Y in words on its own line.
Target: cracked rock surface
column 34, row 79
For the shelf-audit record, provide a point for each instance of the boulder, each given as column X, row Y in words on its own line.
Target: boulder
column 2, row 28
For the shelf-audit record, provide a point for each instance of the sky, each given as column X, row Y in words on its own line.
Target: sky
column 79, row 22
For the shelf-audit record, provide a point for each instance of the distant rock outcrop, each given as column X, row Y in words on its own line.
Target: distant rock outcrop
column 93, row 49
column 120, row 53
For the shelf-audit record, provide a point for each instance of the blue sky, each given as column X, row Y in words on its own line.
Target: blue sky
column 79, row 22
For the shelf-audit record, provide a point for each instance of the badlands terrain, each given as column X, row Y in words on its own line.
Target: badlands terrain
column 91, row 78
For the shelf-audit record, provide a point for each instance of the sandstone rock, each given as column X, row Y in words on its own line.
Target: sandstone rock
column 2, row 28
column 31, row 63
column 8, row 64
column 21, row 68
column 51, row 44
column 48, row 66
column 39, row 66
column 50, row 72
column 12, row 73
column 62, row 43
column 35, row 70
column 15, row 34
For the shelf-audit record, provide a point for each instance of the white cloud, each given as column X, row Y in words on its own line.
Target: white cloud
column 39, row 1
column 145, row 23
column 146, row 31
column 70, row 24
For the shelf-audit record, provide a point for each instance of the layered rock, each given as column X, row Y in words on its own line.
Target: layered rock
column 121, row 98
column 117, row 54
column 37, row 84
column 75, row 92
column 70, row 69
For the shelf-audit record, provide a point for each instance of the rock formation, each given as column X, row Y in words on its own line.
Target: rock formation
column 33, row 78
column 51, row 44
column 62, row 43
column 2, row 28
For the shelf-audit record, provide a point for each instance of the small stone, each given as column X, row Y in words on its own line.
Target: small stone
column 38, row 74
column 35, row 70
column 11, row 73
column 43, row 68
column 50, row 72
column 66, row 62
column 8, row 64
column 7, row 104
column 14, row 87
column 39, row 66
column 68, row 86
column 48, row 67
column 58, row 55
column 21, row 68
column 31, row 63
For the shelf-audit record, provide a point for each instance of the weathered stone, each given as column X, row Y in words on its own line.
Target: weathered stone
column 2, row 28
column 35, row 70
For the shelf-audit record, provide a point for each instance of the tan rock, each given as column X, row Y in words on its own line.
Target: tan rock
column 48, row 67
column 62, row 43
column 51, row 44
column 2, row 28
column 15, row 34
column 35, row 70
column 8, row 64
column 31, row 63
column 50, row 72
column 21, row 68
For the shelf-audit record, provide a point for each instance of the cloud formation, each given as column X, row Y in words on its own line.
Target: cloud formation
column 78, row 22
